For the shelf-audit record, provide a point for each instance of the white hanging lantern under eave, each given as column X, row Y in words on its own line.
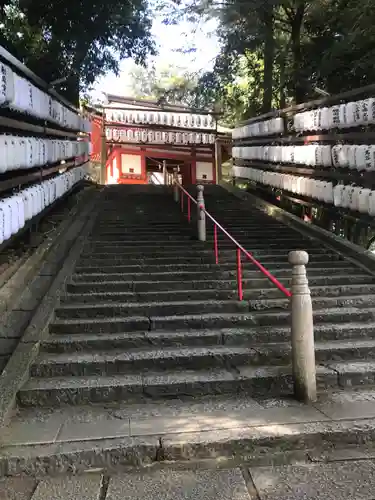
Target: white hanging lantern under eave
column 363, row 200
column 325, row 118
column 109, row 134
column 6, row 217
column 337, row 195
column 343, row 156
column 328, row 194
column 350, row 114
column 343, row 116
column 365, row 111
column 334, row 116
column 358, row 113
column 297, row 122
column 354, row 198
column 137, row 135
column 352, row 149
column 363, row 157
column 371, row 204
column 371, row 110
column 6, row 84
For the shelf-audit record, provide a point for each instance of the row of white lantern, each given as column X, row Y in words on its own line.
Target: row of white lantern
column 356, row 157
column 20, row 95
column 356, row 198
column 321, row 190
column 169, row 119
column 351, row 114
column 267, row 127
column 15, row 210
column 28, row 152
column 158, row 137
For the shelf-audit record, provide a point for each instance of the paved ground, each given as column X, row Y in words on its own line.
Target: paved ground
column 350, row 480
column 178, row 417
column 339, row 473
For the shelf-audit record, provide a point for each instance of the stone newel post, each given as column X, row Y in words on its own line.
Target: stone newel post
column 303, row 350
column 201, row 216
column 176, row 191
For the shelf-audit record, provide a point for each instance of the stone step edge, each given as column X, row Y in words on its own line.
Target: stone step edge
column 166, row 352
column 55, row 338
column 250, row 316
column 265, row 302
column 245, row 442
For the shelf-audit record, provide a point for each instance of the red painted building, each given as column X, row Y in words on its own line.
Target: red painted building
column 142, row 136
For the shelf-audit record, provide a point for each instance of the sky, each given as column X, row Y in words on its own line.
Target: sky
column 169, row 39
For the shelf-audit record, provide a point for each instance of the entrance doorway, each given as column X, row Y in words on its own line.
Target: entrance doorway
column 156, row 174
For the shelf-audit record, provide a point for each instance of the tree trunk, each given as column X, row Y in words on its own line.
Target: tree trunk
column 70, row 89
column 282, row 82
column 298, row 85
column 269, row 54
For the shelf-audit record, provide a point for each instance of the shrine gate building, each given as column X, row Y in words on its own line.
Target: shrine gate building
column 141, row 142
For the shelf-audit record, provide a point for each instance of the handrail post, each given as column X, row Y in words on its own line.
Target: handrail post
column 176, row 191
column 201, row 216
column 239, row 274
column 303, row 350
column 165, row 172
column 216, row 248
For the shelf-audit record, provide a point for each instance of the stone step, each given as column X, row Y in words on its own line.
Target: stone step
column 129, row 226
column 258, row 318
column 267, row 318
column 350, row 292
column 202, row 250
column 187, row 276
column 112, row 309
column 257, row 381
column 113, row 362
column 248, row 336
column 249, row 243
column 88, row 285
column 193, row 259
column 79, row 342
column 110, row 267
column 328, row 458
column 142, row 239
column 104, row 325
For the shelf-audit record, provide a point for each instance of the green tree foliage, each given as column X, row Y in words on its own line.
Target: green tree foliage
column 276, row 52
column 79, row 40
column 172, row 84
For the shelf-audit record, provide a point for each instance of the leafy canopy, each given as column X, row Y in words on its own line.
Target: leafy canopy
column 78, row 40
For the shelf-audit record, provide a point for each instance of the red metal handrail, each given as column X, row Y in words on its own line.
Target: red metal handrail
column 239, row 250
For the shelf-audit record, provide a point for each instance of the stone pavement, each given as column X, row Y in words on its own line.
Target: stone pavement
column 349, row 480
column 262, row 432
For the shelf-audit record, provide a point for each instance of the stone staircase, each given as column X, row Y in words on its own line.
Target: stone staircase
column 149, row 341
column 147, row 313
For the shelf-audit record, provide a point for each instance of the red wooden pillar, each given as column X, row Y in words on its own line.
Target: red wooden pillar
column 144, row 164
column 213, row 168
column 193, row 167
